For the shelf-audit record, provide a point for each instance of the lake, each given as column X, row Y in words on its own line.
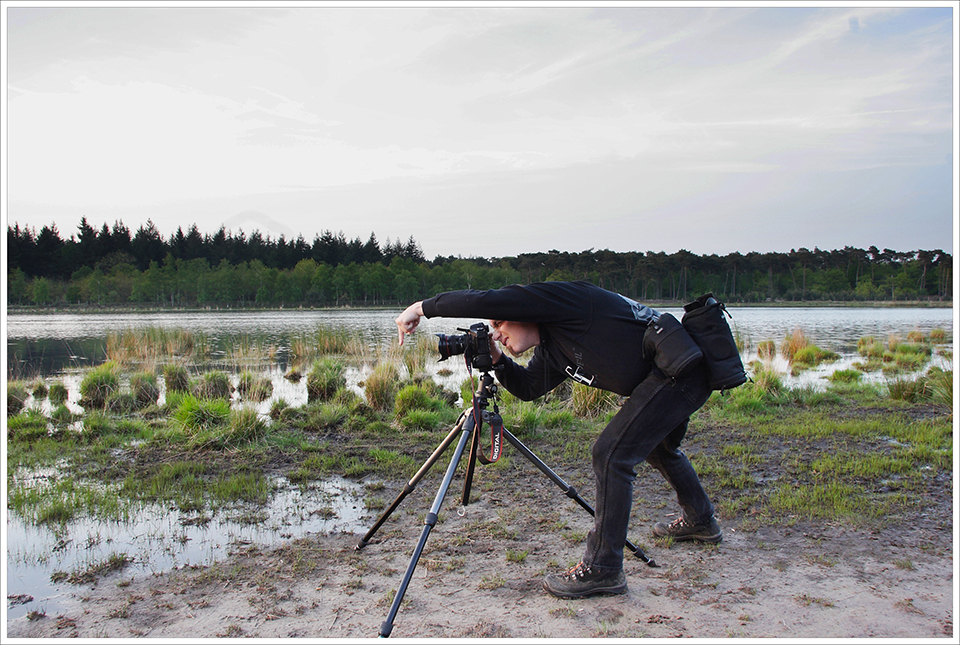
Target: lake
column 47, row 344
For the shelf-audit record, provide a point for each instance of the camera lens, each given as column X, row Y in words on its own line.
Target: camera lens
column 452, row 345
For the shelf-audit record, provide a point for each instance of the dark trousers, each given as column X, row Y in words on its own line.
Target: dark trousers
column 649, row 427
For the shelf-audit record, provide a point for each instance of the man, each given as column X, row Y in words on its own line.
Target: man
column 595, row 337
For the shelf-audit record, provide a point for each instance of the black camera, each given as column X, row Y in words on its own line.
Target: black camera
column 474, row 345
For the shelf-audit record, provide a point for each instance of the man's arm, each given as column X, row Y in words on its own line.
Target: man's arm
column 408, row 321
column 530, row 382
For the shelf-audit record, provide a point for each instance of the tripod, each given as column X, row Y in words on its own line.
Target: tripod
column 467, row 423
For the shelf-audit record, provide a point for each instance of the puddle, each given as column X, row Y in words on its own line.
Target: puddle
column 159, row 539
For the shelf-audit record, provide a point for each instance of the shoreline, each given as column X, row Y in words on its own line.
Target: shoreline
column 811, row 304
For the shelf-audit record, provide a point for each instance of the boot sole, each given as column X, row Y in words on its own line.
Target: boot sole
column 615, row 590
column 711, row 539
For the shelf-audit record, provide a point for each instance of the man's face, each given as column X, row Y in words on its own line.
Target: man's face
column 516, row 337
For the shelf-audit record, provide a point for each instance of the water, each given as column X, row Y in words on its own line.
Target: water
column 45, row 345
column 158, row 539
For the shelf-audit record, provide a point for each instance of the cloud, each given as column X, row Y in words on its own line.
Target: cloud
column 399, row 119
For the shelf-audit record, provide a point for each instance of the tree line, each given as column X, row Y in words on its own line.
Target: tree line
column 109, row 266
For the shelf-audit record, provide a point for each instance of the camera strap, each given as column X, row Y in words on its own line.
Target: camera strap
column 496, row 438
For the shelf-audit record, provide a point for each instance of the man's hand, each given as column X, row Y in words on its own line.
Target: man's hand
column 407, row 321
column 495, row 352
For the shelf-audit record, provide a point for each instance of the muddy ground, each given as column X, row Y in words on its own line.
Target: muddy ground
column 480, row 576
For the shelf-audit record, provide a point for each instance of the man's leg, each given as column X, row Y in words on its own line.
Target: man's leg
column 696, row 521
column 657, row 406
column 680, row 474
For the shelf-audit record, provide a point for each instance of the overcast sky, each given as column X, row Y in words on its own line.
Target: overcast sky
column 490, row 131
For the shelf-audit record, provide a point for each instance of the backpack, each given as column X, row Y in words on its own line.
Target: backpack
column 704, row 321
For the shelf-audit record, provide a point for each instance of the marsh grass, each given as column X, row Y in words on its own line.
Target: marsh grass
column 213, row 385
column 17, row 396
column 154, row 345
column 58, row 393
column 856, row 453
column 144, row 388
column 59, row 500
column 590, row 402
column 91, row 573
column 381, row 386
column 306, row 348
column 98, row 384
column 802, row 353
column 326, row 377
column 254, row 387
column 176, row 378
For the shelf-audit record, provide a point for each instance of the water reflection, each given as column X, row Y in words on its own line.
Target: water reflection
column 159, row 539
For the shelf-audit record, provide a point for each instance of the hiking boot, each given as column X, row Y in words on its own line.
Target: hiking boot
column 681, row 531
column 582, row 581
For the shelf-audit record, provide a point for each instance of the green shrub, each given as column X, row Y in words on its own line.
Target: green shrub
column 194, row 414
column 26, row 426
column 380, row 387
column 416, row 397
column 767, row 350
column 58, row 393
column 121, row 403
column 213, row 385
column 845, row 376
column 254, row 387
column 39, row 390
column 98, row 384
column 16, row 397
column 766, row 381
column 145, row 388
column 176, row 379
column 324, row 379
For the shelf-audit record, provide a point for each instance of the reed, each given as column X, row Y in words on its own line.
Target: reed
column 213, row 385
column 59, row 393
column 792, row 343
column 380, row 387
column 98, row 384
column 176, row 378
column 767, row 350
column 17, row 396
column 151, row 345
column 324, row 379
column 590, row 402
column 145, row 388
column 254, row 387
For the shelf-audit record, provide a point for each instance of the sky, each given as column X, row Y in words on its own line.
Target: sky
column 489, row 130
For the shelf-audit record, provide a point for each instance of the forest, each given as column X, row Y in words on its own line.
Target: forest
column 109, row 266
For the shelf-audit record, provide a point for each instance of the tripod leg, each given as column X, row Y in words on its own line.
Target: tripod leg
column 428, row 524
column 570, row 491
column 471, row 465
column 412, row 484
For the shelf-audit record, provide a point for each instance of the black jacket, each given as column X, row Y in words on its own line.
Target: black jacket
column 587, row 333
